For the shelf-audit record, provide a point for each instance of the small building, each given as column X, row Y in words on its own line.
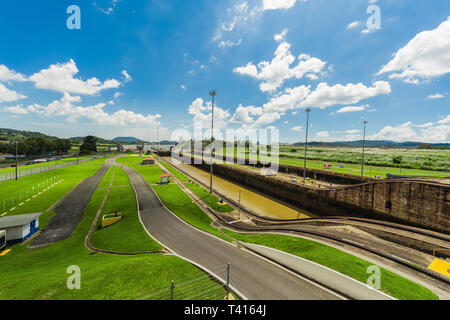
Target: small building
column 21, row 227
column 165, row 178
column 2, row 240
column 327, row 165
column 148, row 161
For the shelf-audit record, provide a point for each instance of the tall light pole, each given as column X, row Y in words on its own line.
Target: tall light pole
column 308, row 111
column 17, row 151
column 364, row 145
column 213, row 93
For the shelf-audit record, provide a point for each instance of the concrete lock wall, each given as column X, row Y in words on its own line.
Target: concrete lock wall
column 423, row 204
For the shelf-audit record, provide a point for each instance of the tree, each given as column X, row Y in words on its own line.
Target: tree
column 89, row 145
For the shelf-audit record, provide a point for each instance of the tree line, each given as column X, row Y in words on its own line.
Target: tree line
column 36, row 146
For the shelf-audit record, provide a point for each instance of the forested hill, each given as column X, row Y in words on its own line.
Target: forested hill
column 7, row 135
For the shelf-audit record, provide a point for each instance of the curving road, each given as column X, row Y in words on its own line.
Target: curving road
column 254, row 277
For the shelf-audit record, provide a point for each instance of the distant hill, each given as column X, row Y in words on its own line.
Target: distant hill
column 7, row 135
column 375, row 144
column 126, row 139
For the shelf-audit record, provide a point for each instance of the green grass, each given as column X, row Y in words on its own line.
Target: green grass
column 128, row 235
column 41, row 273
column 12, row 193
column 181, row 205
column 176, row 173
column 340, row 261
column 210, row 200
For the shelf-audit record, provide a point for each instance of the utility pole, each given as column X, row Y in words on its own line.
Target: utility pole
column 308, row 111
column 364, row 142
column 239, row 217
column 157, row 135
column 17, row 151
column 213, row 93
column 228, row 280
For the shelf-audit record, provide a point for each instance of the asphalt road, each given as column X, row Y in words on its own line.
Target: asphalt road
column 254, row 277
column 69, row 211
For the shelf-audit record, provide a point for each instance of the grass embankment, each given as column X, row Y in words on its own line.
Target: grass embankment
column 178, row 202
column 36, row 167
column 128, row 235
column 41, row 273
column 209, row 199
column 13, row 193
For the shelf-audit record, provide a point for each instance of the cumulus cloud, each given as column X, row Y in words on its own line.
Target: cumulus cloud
column 403, row 132
column 10, row 75
column 324, row 95
column 274, row 73
column 322, row 134
column 7, row 95
column 19, row 109
column 127, row 78
column 202, row 112
column 297, row 128
column 280, row 36
column 245, row 114
column 60, row 77
column 278, row 4
column 426, row 56
column 67, row 106
column 352, row 109
column 353, row 24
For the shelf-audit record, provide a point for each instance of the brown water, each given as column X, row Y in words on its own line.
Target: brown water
column 251, row 200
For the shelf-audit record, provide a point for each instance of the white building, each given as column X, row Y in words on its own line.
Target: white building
column 21, row 227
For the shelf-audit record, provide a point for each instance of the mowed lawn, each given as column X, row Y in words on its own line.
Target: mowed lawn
column 42, row 273
column 181, row 205
column 128, row 235
column 13, row 193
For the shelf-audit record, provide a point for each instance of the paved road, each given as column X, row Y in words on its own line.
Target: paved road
column 69, row 211
column 254, row 277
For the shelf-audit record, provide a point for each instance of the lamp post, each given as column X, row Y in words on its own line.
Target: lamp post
column 213, row 93
column 308, row 111
column 364, row 142
column 17, row 151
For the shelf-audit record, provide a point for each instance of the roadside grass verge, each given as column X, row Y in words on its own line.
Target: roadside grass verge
column 210, row 200
column 127, row 235
column 180, row 204
column 41, row 274
column 176, row 173
column 354, row 267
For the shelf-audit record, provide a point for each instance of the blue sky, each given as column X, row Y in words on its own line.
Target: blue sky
column 136, row 65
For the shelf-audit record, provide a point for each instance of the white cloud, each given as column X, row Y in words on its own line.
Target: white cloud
column 324, row 95
column 354, row 131
column 352, row 109
column 322, row 134
column 290, row 100
column 7, row 95
column 403, row 132
column 228, row 43
column 425, row 125
column 202, row 112
column 281, row 36
column 278, row 4
column 10, row 75
column 183, row 87
column 244, row 114
column 446, row 120
column 118, row 94
column 67, row 106
column 426, row 56
column 19, row 109
column 126, row 76
column 274, row 73
column 353, row 24
column 297, row 128
column 60, row 77
column 435, row 96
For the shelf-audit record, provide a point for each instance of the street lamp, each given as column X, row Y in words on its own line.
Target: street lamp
column 308, row 111
column 213, row 93
column 364, row 142
column 17, row 151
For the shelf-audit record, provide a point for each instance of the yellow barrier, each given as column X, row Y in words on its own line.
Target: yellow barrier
column 110, row 219
column 440, row 266
column 3, row 253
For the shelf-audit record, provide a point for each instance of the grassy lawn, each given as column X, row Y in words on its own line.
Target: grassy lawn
column 181, row 205
column 128, row 235
column 41, row 273
column 210, row 200
column 12, row 193
column 176, row 173
column 340, row 261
